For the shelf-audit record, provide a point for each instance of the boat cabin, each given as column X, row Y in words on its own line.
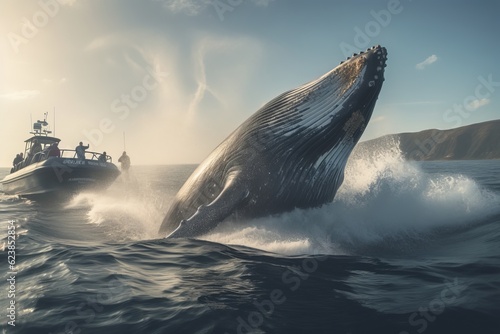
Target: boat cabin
column 38, row 147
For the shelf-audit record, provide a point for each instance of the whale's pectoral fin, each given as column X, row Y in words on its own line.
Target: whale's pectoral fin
column 208, row 216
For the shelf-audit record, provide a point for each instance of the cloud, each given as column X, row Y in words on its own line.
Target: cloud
column 20, row 95
column 246, row 51
column 262, row 3
column 101, row 42
column 427, row 62
column 47, row 81
column 416, row 103
column 478, row 103
column 195, row 7
column 189, row 7
column 67, row 2
column 378, row 119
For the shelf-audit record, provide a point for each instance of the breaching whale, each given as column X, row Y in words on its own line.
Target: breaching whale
column 290, row 154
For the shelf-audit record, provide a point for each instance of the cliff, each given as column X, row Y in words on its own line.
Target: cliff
column 472, row 142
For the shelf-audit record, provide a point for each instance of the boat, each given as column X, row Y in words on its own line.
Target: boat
column 47, row 170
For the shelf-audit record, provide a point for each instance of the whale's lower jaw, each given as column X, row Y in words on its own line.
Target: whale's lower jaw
column 290, row 154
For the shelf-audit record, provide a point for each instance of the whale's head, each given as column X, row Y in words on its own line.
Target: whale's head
column 331, row 109
column 316, row 126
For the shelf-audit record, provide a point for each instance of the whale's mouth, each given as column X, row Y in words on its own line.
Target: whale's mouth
column 364, row 74
column 377, row 59
column 346, row 97
column 336, row 122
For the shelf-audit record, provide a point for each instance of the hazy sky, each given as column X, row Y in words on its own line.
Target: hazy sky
column 177, row 76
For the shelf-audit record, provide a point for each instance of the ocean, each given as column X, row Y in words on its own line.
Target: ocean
column 405, row 247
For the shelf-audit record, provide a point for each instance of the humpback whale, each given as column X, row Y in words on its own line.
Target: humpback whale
column 289, row 154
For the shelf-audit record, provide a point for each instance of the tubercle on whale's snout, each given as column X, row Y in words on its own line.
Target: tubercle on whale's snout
column 380, row 50
column 363, row 70
column 375, row 57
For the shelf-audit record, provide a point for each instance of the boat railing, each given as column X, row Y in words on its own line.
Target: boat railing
column 89, row 155
column 63, row 153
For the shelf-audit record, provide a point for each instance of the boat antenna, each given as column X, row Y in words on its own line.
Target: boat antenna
column 124, row 147
column 54, row 121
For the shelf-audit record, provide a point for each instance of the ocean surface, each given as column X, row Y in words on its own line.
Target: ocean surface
column 405, row 248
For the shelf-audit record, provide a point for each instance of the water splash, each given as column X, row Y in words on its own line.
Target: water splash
column 387, row 195
column 384, row 201
column 129, row 210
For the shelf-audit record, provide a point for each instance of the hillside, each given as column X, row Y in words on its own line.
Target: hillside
column 472, row 142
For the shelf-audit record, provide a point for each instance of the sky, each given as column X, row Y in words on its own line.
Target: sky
column 168, row 80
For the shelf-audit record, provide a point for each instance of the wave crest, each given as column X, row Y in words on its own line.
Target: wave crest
column 384, row 201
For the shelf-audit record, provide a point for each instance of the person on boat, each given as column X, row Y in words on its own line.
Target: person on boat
column 17, row 159
column 35, row 148
column 20, row 164
column 103, row 157
column 80, row 151
column 54, row 150
column 124, row 161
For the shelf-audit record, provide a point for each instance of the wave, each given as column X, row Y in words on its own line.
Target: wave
column 129, row 210
column 384, row 202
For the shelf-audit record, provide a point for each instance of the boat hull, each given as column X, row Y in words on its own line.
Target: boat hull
column 60, row 176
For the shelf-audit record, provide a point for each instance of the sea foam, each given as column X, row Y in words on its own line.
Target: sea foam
column 384, row 199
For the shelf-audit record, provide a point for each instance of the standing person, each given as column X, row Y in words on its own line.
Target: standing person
column 20, row 164
column 80, row 151
column 54, row 150
column 125, row 161
column 35, row 148
column 103, row 157
column 17, row 160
